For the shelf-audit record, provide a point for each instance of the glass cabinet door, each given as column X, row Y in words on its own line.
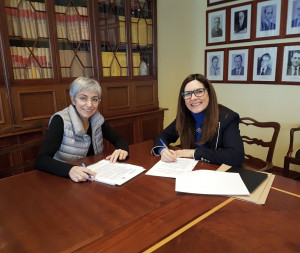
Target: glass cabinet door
column 112, row 29
column 28, row 39
column 73, row 38
column 142, row 39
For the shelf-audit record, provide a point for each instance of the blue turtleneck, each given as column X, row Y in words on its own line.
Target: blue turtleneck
column 199, row 118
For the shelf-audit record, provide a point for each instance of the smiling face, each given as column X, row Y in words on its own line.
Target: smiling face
column 196, row 104
column 88, row 108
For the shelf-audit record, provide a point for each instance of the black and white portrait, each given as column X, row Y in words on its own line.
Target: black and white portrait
column 293, row 17
column 268, row 18
column 213, row 2
column 216, row 26
column 240, row 24
column 215, row 65
column 264, row 64
column 291, row 64
column 238, row 65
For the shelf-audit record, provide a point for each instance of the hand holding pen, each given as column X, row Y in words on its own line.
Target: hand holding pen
column 167, row 155
column 81, row 173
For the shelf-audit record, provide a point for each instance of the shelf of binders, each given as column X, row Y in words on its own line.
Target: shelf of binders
column 75, row 59
column 73, row 38
column 30, row 59
column 28, row 39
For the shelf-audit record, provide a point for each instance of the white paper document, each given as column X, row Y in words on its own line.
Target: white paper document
column 114, row 173
column 173, row 169
column 211, row 182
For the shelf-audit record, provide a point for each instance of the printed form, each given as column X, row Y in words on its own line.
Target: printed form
column 114, row 173
column 172, row 169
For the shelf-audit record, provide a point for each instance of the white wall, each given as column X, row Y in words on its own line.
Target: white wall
column 181, row 51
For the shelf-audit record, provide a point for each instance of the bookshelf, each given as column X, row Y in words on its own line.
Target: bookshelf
column 46, row 44
column 73, row 35
column 28, row 39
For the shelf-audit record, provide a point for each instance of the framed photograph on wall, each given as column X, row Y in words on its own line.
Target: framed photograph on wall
column 214, row 2
column 268, row 18
column 293, row 17
column 264, row 64
column 216, row 29
column 215, row 65
column 238, row 65
column 291, row 64
column 240, row 22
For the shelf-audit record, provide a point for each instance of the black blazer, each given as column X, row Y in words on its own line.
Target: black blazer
column 226, row 146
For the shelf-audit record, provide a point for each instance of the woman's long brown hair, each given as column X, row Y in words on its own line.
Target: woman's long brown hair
column 185, row 122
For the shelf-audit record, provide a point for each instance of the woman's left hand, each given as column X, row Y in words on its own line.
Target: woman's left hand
column 188, row 153
column 117, row 154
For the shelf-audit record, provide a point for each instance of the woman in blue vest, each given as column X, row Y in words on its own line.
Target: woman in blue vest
column 77, row 132
column 208, row 132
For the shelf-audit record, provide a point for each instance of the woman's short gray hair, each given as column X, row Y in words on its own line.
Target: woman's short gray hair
column 84, row 83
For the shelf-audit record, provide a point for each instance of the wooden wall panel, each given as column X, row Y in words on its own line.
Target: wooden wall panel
column 5, row 118
column 2, row 120
column 127, row 128
column 151, row 125
column 32, row 102
column 116, row 98
column 37, row 104
column 66, row 93
column 23, row 149
column 145, row 97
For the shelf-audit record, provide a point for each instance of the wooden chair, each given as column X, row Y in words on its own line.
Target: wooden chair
column 19, row 145
column 290, row 158
column 254, row 162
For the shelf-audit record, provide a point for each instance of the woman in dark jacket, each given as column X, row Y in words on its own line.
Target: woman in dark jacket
column 208, row 132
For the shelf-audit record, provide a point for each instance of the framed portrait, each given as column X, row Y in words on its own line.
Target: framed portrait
column 214, row 2
column 215, row 65
column 268, row 18
column 293, row 17
column 264, row 64
column 216, row 29
column 238, row 65
column 291, row 64
column 240, row 22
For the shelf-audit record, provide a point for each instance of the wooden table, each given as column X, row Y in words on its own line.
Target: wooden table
column 40, row 212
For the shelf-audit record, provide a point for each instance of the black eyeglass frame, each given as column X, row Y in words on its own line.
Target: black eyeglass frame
column 193, row 92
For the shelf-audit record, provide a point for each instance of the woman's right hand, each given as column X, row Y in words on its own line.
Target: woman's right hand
column 168, row 155
column 80, row 174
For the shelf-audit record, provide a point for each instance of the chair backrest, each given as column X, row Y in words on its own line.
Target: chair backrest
column 291, row 146
column 19, row 145
column 270, row 144
column 290, row 158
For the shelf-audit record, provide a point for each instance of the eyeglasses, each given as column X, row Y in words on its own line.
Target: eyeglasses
column 198, row 93
column 84, row 100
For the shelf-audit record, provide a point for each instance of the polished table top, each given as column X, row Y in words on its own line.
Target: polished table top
column 40, row 212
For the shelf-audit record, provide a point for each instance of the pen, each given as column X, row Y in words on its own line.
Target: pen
column 162, row 142
column 83, row 165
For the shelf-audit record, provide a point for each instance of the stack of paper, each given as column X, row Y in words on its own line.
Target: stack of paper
column 211, row 182
column 260, row 193
column 173, row 169
column 114, row 173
